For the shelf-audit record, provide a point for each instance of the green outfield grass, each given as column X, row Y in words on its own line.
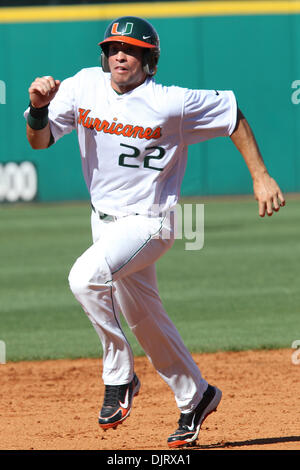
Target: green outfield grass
column 241, row 291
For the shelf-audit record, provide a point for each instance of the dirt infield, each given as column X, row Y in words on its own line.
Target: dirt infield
column 53, row 405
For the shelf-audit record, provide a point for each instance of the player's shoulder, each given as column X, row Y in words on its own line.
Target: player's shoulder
column 168, row 97
column 167, row 90
column 89, row 73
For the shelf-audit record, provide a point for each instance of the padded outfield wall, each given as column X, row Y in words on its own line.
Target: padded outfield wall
column 249, row 47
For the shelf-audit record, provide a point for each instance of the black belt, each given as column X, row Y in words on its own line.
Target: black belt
column 106, row 217
column 103, row 216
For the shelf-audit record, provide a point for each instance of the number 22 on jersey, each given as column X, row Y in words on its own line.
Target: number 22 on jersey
column 129, row 159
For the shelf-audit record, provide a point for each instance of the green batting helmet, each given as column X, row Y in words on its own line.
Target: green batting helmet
column 135, row 31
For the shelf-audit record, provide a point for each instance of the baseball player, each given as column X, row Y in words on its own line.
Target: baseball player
column 133, row 135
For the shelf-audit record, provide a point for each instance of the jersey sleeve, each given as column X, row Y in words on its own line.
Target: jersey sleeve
column 207, row 114
column 62, row 109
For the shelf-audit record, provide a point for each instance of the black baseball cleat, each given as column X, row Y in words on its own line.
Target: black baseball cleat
column 190, row 423
column 117, row 403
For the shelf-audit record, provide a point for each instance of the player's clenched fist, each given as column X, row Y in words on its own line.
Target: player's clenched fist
column 43, row 90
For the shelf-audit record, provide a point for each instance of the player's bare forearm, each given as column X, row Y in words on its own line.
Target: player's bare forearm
column 266, row 190
column 39, row 139
column 245, row 142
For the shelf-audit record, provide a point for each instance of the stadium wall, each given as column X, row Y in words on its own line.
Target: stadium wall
column 248, row 47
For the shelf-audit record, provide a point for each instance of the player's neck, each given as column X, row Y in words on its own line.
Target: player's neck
column 121, row 89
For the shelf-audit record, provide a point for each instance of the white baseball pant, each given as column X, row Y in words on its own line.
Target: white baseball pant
column 117, row 274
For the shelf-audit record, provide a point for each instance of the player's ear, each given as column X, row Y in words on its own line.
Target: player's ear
column 104, row 59
column 104, row 62
column 149, row 63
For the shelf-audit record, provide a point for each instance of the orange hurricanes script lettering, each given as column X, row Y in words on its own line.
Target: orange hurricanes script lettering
column 118, row 128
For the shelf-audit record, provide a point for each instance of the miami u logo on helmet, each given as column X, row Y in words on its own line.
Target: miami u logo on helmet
column 127, row 30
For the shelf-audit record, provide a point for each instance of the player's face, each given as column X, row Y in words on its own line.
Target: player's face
column 125, row 63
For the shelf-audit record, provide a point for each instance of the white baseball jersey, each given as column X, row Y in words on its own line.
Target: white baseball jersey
column 134, row 146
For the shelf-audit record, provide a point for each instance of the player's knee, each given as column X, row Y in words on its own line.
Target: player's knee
column 75, row 281
column 87, row 275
